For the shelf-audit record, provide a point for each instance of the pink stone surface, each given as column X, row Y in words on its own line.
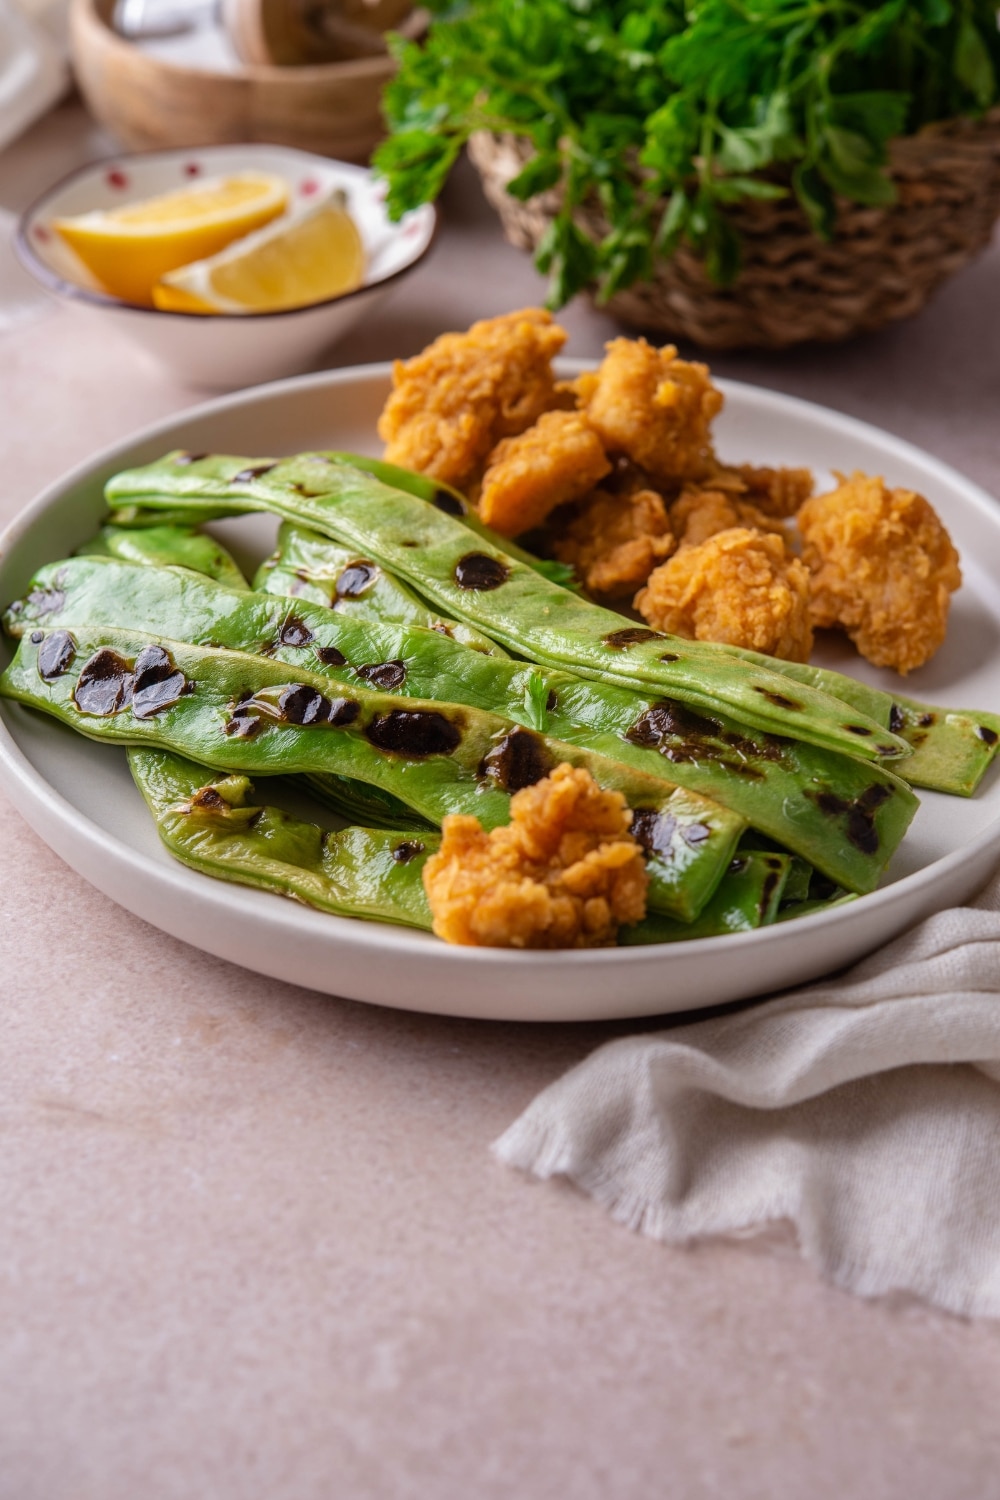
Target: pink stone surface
column 253, row 1242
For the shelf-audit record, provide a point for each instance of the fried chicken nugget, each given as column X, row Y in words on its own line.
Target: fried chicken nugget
column 614, row 541
column 653, row 407
column 557, row 460
column 774, row 492
column 454, row 401
column 740, row 588
column 699, row 513
column 564, row 873
column 883, row 569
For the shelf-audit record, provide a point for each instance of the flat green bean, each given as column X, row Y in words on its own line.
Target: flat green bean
column 236, row 712
column 507, row 599
column 843, row 815
column 208, row 822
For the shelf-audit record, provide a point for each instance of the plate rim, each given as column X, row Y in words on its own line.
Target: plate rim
column 17, row 771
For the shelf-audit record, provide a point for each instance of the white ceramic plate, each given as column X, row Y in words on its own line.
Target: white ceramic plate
column 79, row 796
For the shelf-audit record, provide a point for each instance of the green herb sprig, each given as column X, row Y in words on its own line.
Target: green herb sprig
column 668, row 115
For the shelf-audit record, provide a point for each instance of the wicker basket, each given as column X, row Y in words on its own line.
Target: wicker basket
column 882, row 264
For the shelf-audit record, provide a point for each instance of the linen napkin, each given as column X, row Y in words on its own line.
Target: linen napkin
column 863, row 1111
column 20, row 299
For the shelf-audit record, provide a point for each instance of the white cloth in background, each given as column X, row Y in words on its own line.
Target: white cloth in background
column 34, row 71
column 864, row 1110
column 21, row 299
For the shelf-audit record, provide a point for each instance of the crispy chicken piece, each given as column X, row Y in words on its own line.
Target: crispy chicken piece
column 653, row 407
column 614, row 541
column 557, row 460
column 699, row 513
column 883, row 569
column 564, row 873
column 454, row 402
column 774, row 492
column 740, row 588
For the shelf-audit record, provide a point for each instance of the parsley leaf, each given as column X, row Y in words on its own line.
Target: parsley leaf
column 668, row 113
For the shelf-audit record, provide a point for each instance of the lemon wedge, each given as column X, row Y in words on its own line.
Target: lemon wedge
column 308, row 255
column 128, row 249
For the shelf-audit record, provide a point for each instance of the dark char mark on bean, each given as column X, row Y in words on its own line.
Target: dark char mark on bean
column 295, row 632
column 191, row 458
column 479, row 572
column 682, row 735
column 857, row 729
column 858, row 814
column 303, row 705
column 780, row 701
column 621, row 640
column 56, row 654
column 407, row 850
column 897, row 719
column 986, row 734
column 156, row 682
column 207, row 797
column 767, row 890
column 243, row 721
column 449, row 503
column 355, row 578
column 384, row 674
column 414, row 733
column 343, row 711
column 104, row 684
column 48, row 600
column 330, row 656
column 517, row 760
column 669, row 656
column 654, row 831
column 254, row 471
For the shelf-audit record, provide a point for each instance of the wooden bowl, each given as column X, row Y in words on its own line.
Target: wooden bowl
column 148, row 103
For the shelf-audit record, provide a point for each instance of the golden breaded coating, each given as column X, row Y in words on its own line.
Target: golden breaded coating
column 774, row 492
column 653, row 407
column 557, row 460
column 883, row 568
column 739, row 588
column 699, row 513
column 614, row 541
column 454, row 402
column 564, row 873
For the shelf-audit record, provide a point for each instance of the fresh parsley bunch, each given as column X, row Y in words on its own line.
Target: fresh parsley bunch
column 666, row 113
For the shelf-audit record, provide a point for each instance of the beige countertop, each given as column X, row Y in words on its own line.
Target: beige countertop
column 252, row 1241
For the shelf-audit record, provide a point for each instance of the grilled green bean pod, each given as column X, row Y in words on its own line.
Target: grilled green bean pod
column 748, row 897
column 308, row 566
column 208, row 821
column 167, row 546
column 237, row 712
column 843, row 815
column 501, row 596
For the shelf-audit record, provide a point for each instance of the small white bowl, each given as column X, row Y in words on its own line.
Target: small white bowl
column 223, row 351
